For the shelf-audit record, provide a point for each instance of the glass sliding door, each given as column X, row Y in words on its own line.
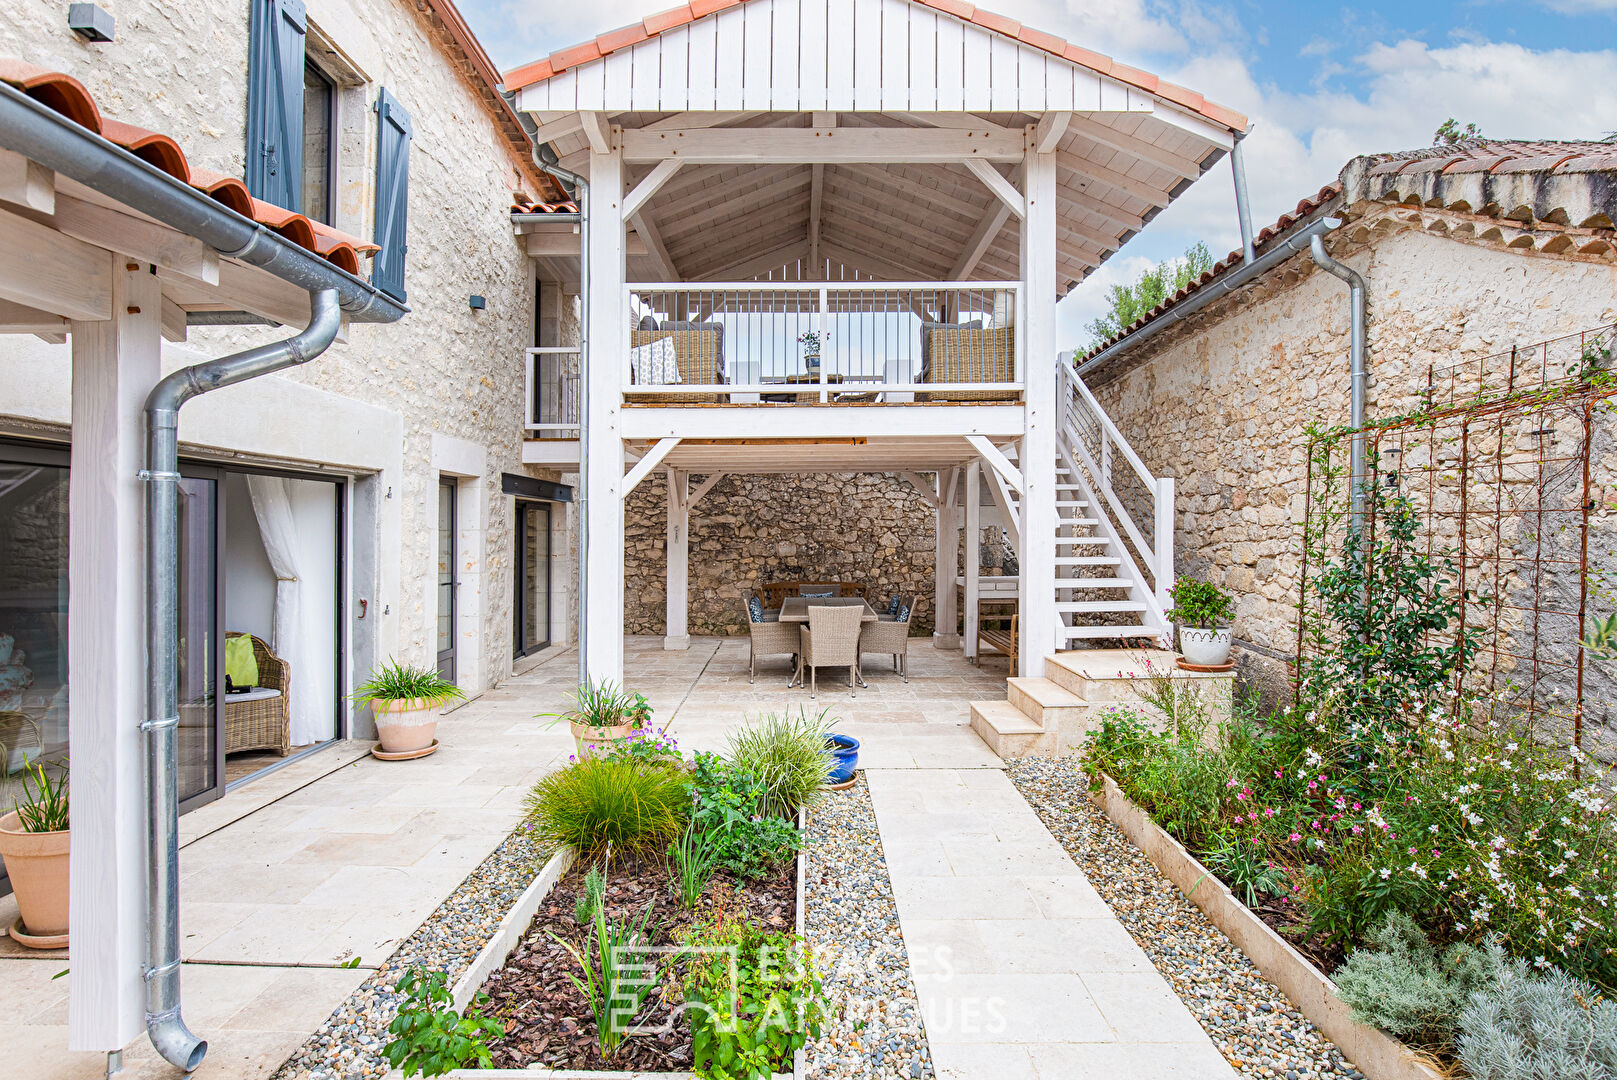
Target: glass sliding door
column 532, row 577
column 202, row 761
column 446, row 579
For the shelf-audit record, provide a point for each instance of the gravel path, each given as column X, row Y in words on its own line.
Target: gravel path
column 348, row 1046
column 1258, row 1030
column 874, row 1028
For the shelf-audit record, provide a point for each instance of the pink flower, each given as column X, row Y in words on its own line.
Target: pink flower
column 1296, row 837
column 1254, row 839
column 1269, row 812
column 1357, row 830
column 1412, row 851
column 1355, row 806
column 1233, row 783
column 1240, row 795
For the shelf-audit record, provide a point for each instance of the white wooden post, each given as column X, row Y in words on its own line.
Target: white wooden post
column 1163, row 541
column 974, row 473
column 677, row 633
column 602, row 634
column 1040, row 620
column 115, row 365
column 945, row 630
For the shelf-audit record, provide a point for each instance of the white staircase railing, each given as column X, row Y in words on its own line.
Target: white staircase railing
column 1135, row 509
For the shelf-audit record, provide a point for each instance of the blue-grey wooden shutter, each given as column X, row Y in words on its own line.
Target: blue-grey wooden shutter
column 392, row 194
column 275, row 101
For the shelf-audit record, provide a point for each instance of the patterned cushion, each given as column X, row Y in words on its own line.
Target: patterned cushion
column 755, row 608
column 903, row 613
column 892, row 607
column 655, row 363
column 819, row 595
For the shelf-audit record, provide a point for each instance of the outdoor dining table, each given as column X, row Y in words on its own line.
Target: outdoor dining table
column 795, row 608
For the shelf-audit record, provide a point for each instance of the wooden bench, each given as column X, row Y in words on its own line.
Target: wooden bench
column 1002, row 638
column 776, row 592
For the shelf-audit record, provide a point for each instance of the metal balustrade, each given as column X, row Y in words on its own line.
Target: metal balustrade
column 551, row 393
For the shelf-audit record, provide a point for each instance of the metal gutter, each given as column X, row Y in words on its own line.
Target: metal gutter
column 46, row 136
column 548, row 219
column 1294, row 244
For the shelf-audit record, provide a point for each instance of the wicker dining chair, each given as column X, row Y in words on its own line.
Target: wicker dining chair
column 265, row 724
column 768, row 639
column 831, row 639
column 891, row 636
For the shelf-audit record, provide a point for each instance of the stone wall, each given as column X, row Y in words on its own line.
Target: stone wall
column 1223, row 404
column 750, row 530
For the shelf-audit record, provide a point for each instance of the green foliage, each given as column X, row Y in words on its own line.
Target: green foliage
column 602, row 705
column 648, row 747
column 1397, row 981
column 1199, row 603
column 786, row 754
column 591, row 897
column 1173, row 777
column 429, row 1037
column 1245, row 866
column 43, row 807
column 394, row 681
column 1175, row 700
column 730, row 809
column 593, row 803
column 1524, row 1026
column 691, row 859
column 754, row 998
column 1127, row 303
column 618, row 973
column 1450, row 132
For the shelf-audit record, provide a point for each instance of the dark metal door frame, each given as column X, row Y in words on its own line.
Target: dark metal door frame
column 522, row 646
column 449, row 489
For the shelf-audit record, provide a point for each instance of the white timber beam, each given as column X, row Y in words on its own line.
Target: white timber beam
column 945, row 625
column 1040, row 621
column 26, row 183
column 704, row 487
column 642, row 192
column 822, row 121
column 999, row 462
column 925, row 490
column 967, row 121
column 946, row 423
column 44, row 269
column 699, row 120
column 756, row 264
column 174, row 326
column 646, row 231
column 1003, row 499
column 1132, row 145
column 569, row 124
column 1051, row 127
column 973, row 559
column 676, row 629
column 116, row 361
column 169, row 249
column 561, row 240
column 988, row 231
column 759, row 146
column 648, row 461
column 1002, row 188
column 22, row 319
column 597, row 130
column 601, row 635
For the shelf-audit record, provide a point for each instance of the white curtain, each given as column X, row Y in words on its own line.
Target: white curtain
column 272, row 503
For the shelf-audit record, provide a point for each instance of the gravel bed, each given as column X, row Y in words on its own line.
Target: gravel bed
column 348, row 1046
column 874, row 1024
column 1257, row 1028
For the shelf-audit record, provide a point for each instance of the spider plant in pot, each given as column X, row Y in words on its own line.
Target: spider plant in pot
column 1198, row 606
column 34, row 842
column 406, row 701
column 603, row 714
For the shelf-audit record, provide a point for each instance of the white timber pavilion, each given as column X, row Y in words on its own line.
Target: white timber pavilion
column 848, row 223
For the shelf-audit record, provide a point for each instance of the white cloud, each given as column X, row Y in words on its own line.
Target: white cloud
column 1579, row 7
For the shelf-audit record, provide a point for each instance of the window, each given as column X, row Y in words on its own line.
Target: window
column 319, row 143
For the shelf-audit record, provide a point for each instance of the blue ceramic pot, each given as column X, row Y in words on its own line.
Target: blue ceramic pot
column 843, row 751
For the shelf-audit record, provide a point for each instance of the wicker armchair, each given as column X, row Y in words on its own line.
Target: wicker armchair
column 831, row 639
column 265, row 724
column 768, row 639
column 892, row 637
column 699, row 355
column 968, row 354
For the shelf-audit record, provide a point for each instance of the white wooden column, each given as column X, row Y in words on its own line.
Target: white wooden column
column 677, row 634
column 605, row 313
column 115, row 365
column 974, row 531
column 1039, row 619
column 945, row 632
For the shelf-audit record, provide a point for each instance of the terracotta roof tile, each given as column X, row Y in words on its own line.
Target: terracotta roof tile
column 66, row 95
column 622, row 39
column 529, row 74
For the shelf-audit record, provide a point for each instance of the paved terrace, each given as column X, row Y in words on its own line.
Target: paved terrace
column 1021, row 969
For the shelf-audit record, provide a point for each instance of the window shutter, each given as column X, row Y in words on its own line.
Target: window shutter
column 392, row 194
column 275, row 101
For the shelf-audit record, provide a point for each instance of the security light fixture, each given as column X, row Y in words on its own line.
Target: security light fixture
column 90, row 22
column 476, row 303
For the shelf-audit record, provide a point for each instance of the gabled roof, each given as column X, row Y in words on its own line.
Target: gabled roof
column 661, row 23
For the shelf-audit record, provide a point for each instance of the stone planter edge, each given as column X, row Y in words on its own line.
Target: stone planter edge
column 1375, row 1053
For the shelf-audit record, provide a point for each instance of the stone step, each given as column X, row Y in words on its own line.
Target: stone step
column 1046, row 703
column 1105, row 675
column 1008, row 731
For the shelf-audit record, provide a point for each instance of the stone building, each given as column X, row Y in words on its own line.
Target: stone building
column 1466, row 252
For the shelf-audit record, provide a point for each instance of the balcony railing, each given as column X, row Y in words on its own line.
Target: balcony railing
column 552, row 393
column 823, row 342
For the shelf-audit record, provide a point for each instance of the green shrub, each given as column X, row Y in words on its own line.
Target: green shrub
column 786, row 754
column 1177, row 780
column 1244, row 865
column 394, row 681
column 591, row 897
column 618, row 973
column 749, row 1018
column 648, row 747
column 593, row 803
column 691, row 860
column 1199, row 603
column 1398, row 982
column 1538, row 1027
column 430, row 1038
column 729, row 808
column 602, row 705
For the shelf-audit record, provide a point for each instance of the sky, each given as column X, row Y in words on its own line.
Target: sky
column 1321, row 82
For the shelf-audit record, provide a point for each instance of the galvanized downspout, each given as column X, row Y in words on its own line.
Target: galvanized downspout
column 164, row 1024
column 1358, row 376
column 1243, row 208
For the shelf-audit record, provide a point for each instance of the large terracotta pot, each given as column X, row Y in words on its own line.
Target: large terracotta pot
column 37, row 865
column 598, row 741
column 1204, row 646
column 406, row 725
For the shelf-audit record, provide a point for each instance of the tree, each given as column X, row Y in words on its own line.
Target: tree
column 1449, row 132
column 1126, row 303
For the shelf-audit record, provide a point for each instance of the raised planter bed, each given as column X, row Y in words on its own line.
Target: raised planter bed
column 1375, row 1053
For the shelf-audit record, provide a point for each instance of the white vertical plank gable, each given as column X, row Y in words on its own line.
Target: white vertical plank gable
column 757, row 54
column 951, row 71
column 977, row 76
column 923, row 49
column 674, row 52
column 783, row 85
column 646, row 93
column 867, row 56
column 702, row 76
column 895, row 54
column 731, row 38
column 812, row 54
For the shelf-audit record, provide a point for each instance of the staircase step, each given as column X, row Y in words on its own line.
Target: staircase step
column 1042, row 700
column 1099, row 607
column 1095, row 583
column 1008, row 731
column 1120, row 631
column 1082, row 523
column 1073, row 503
column 1088, row 560
column 1068, row 541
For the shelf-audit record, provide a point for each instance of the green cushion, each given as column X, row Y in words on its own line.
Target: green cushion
column 240, row 663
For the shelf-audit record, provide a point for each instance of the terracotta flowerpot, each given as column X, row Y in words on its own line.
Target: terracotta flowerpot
column 597, row 741
column 1204, row 647
column 405, row 725
column 37, row 864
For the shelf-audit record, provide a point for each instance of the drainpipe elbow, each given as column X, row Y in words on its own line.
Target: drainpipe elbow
column 174, row 1041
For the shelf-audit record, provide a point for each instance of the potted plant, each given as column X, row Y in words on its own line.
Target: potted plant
column 406, row 701
column 1197, row 608
column 810, row 341
column 843, row 750
column 602, row 715
column 34, row 842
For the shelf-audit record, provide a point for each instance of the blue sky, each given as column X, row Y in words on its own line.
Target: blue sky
column 1322, row 82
